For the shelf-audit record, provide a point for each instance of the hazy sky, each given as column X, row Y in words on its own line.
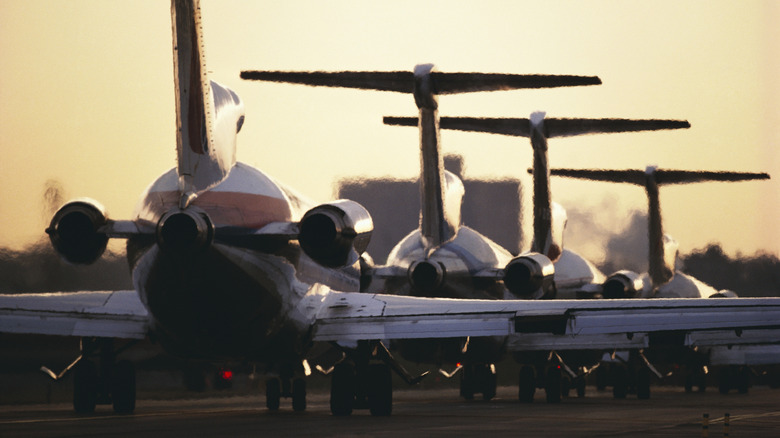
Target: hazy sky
column 86, row 99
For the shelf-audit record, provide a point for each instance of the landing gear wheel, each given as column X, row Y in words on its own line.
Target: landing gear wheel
column 273, row 393
column 602, row 377
column 342, row 389
column 579, row 383
column 743, row 380
column 620, row 384
column 489, row 382
column 566, row 385
column 643, row 384
column 380, row 390
column 85, row 387
column 467, row 381
column 123, row 387
column 526, row 385
column 552, row 387
column 299, row 395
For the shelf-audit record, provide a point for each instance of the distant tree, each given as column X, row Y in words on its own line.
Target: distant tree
column 756, row 276
column 38, row 268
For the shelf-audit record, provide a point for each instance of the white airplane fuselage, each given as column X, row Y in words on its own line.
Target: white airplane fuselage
column 222, row 301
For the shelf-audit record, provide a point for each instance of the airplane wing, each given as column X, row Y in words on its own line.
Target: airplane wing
column 353, row 316
column 110, row 314
column 545, row 324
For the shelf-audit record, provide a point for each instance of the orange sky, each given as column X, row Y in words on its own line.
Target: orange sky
column 87, row 99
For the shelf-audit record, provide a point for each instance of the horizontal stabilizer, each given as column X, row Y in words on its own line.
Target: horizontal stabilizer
column 403, row 81
column 519, row 127
column 661, row 176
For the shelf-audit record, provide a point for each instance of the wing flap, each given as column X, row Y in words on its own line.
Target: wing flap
column 111, row 314
column 548, row 324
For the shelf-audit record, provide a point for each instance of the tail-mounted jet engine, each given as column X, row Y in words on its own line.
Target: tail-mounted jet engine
column 185, row 231
column 623, row 284
column 426, row 277
column 530, row 277
column 75, row 231
column 337, row 233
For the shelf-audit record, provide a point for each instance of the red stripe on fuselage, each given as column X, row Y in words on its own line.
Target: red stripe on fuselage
column 237, row 209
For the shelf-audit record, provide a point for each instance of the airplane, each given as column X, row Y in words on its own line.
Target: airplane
column 573, row 273
column 227, row 263
column 575, row 277
column 663, row 279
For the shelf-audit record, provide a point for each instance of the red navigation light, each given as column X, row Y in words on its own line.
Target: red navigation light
column 226, row 374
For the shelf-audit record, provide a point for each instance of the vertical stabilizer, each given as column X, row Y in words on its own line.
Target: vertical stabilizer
column 439, row 221
column 543, row 233
column 208, row 115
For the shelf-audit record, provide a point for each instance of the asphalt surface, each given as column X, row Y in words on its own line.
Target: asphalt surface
column 431, row 412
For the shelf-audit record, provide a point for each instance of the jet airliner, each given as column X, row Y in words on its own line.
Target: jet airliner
column 227, row 263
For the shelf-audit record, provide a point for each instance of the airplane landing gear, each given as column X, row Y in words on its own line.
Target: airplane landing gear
column 109, row 383
column 342, row 389
column 478, row 378
column 527, row 384
column 285, row 386
column 380, row 390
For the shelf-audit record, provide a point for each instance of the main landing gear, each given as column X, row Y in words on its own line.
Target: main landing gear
column 285, row 386
column 478, row 379
column 364, row 380
column 107, row 382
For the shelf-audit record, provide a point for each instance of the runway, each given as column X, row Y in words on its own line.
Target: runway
column 436, row 413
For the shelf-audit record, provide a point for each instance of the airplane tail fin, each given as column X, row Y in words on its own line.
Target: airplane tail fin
column 662, row 256
column 208, row 115
column 439, row 222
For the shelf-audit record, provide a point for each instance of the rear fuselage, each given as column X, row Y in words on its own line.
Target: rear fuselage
column 221, row 301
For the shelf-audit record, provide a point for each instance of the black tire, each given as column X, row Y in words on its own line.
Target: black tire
column 566, row 385
column 643, row 384
column 85, row 387
column 743, row 380
column 620, row 384
column 123, row 387
column 602, row 377
column 299, row 395
column 467, row 382
column 579, row 383
column 489, row 383
column 342, row 390
column 724, row 381
column 380, row 390
column 273, row 393
column 553, row 384
column 526, row 384
column 689, row 383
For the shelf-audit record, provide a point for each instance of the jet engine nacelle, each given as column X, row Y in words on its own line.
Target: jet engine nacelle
column 75, row 231
column 623, row 284
column 724, row 293
column 186, row 231
column 426, row 277
column 336, row 234
column 530, row 276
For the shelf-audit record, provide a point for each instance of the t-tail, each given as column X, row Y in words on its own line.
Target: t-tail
column 662, row 252
column 549, row 219
column 208, row 115
column 440, row 207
